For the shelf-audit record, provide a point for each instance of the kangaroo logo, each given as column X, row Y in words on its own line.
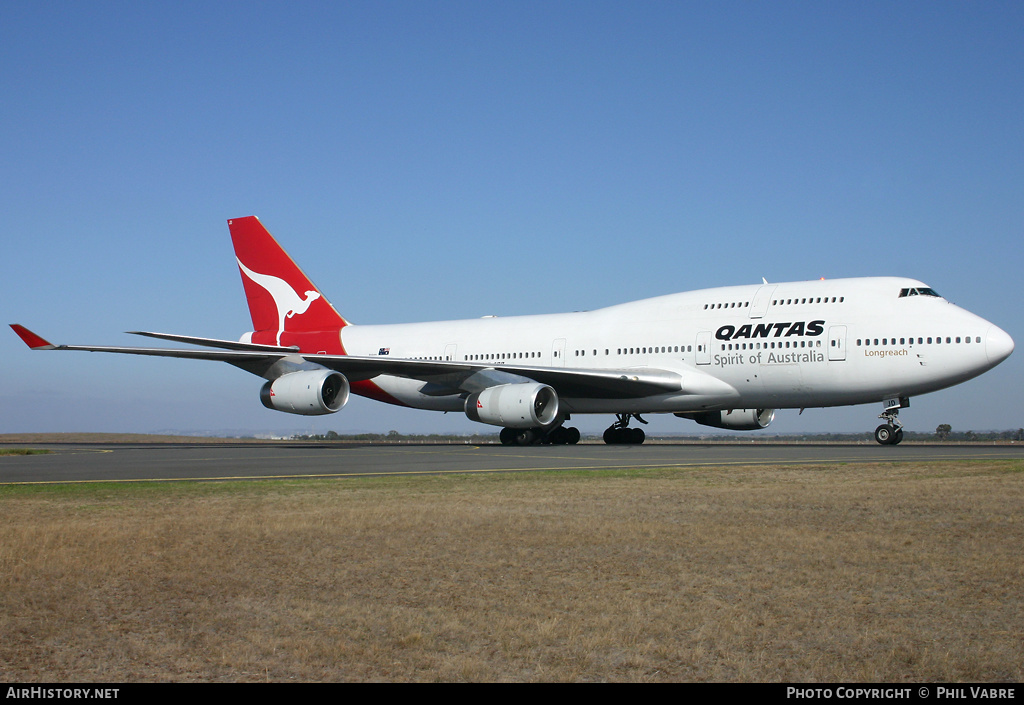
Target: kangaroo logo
column 287, row 300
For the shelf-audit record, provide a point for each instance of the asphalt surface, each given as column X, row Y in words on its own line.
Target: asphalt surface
column 155, row 462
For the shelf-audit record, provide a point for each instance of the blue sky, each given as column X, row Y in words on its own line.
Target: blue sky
column 436, row 160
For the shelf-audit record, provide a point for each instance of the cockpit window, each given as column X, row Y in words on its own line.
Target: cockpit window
column 920, row 291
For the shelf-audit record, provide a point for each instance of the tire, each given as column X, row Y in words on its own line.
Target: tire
column 885, row 435
column 558, row 437
column 526, row 437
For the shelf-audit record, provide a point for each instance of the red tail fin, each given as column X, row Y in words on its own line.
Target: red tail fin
column 283, row 302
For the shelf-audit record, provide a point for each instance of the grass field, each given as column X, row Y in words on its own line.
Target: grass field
column 860, row 573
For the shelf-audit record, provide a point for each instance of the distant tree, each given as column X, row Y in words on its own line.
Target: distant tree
column 943, row 430
column 970, row 435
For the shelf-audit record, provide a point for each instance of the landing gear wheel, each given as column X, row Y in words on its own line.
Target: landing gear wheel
column 886, row 435
column 507, row 436
column 619, row 433
column 563, row 436
column 525, row 437
column 572, row 435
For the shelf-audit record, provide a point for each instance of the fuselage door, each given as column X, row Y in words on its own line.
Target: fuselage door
column 449, row 351
column 703, row 348
column 558, row 353
column 763, row 297
column 836, row 343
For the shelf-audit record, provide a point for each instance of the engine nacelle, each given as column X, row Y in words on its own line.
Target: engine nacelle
column 525, row 405
column 309, row 392
column 736, row 419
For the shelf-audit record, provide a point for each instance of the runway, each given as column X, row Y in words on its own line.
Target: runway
column 130, row 462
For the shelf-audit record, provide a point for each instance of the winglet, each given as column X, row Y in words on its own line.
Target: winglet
column 31, row 339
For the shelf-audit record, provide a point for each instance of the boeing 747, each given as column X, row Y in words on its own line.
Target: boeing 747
column 726, row 357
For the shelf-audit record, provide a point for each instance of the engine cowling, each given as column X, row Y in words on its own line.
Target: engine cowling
column 309, row 392
column 526, row 405
column 735, row 419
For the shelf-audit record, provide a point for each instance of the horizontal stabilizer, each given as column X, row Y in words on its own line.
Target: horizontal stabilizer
column 216, row 343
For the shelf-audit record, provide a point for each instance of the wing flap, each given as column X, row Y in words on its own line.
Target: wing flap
column 471, row 377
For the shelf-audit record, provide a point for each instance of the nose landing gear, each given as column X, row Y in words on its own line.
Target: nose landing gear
column 891, row 432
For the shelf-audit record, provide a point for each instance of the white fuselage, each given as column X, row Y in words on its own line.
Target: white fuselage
column 789, row 345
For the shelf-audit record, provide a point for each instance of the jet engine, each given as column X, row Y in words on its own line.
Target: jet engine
column 309, row 392
column 524, row 405
column 735, row 419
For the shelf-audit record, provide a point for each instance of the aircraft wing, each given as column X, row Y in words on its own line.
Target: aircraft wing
column 440, row 377
column 444, row 377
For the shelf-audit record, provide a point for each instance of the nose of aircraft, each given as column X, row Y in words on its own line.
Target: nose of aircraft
column 998, row 345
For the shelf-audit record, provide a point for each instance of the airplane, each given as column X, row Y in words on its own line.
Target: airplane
column 724, row 357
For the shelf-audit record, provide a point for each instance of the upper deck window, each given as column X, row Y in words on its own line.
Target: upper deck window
column 919, row 291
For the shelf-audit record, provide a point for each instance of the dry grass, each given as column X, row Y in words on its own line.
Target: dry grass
column 858, row 573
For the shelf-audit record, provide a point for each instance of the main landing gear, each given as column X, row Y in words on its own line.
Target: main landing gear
column 891, row 432
column 619, row 433
column 531, row 436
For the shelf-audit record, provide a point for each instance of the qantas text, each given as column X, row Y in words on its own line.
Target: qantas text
column 771, row 330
